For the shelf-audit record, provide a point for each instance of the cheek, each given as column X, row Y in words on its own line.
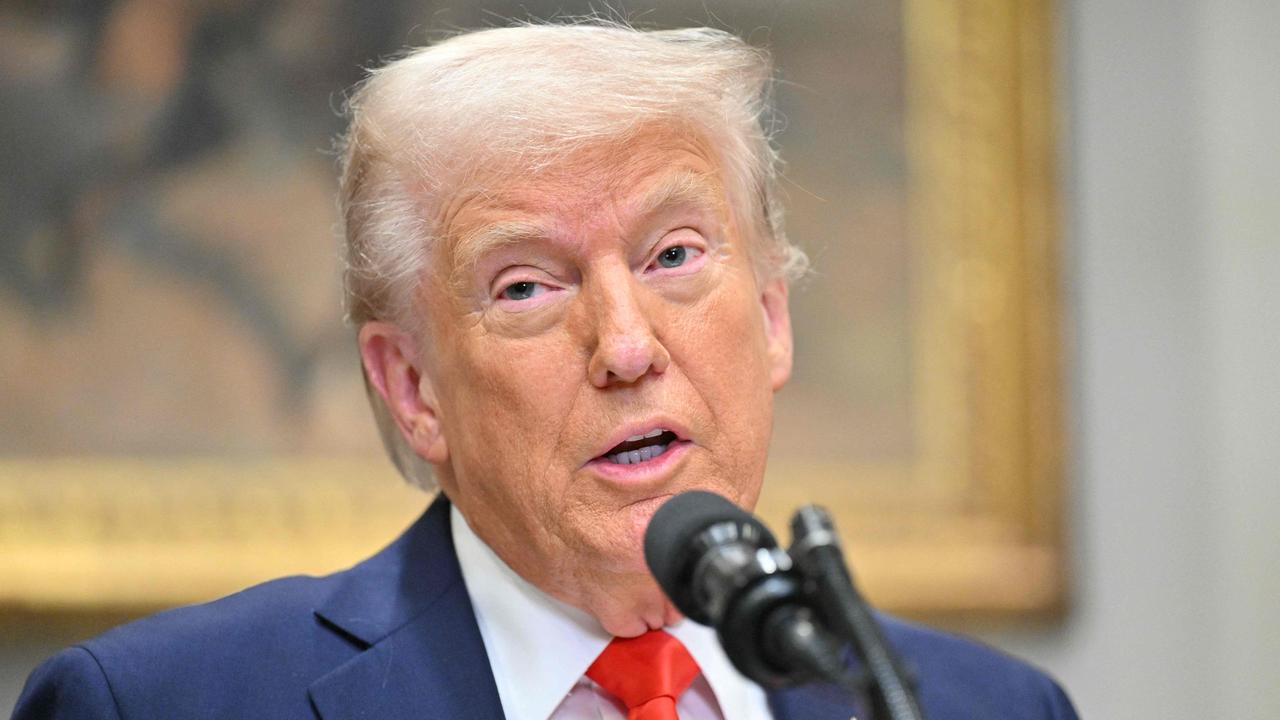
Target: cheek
column 724, row 339
column 722, row 350
column 508, row 414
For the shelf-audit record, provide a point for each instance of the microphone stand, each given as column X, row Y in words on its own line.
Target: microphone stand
column 816, row 550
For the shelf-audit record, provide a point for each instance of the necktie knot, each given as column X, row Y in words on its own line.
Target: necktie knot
column 647, row 673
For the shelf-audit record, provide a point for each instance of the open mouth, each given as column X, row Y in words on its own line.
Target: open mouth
column 640, row 448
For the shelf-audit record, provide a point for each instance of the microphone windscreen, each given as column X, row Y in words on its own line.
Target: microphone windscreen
column 669, row 538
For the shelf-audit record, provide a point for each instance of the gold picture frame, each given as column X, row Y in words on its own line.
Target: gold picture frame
column 972, row 523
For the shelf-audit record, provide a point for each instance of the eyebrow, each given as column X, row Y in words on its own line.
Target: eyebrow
column 685, row 188
column 682, row 189
column 477, row 244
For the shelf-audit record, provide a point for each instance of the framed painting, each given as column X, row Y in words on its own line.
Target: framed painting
column 183, row 413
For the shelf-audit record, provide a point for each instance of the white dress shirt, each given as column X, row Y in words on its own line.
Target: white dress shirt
column 539, row 649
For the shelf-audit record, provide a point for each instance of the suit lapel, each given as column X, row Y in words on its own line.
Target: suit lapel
column 408, row 610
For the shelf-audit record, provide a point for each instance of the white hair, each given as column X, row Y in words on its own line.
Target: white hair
column 521, row 99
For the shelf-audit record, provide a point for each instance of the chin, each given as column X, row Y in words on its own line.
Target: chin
column 648, row 611
column 630, row 533
column 629, row 565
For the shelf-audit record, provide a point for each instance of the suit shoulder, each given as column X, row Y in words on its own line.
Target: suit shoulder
column 956, row 672
column 264, row 641
column 262, row 616
column 69, row 685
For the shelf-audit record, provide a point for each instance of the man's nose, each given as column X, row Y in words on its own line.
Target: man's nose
column 627, row 347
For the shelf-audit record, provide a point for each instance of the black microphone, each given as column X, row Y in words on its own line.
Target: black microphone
column 721, row 567
column 816, row 550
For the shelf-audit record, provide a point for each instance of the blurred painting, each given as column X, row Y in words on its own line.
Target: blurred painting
column 183, row 411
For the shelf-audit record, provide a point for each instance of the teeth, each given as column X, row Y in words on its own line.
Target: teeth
column 631, row 457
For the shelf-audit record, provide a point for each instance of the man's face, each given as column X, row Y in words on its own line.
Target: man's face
column 609, row 299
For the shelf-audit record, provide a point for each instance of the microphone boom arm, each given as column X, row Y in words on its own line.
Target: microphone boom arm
column 816, row 551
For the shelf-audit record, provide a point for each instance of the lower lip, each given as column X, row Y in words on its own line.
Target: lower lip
column 647, row 470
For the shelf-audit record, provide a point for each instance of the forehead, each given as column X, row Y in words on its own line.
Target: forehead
column 618, row 180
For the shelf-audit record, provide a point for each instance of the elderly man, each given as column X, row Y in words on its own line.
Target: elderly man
column 569, row 277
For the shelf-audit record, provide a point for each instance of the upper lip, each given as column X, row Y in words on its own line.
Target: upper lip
column 639, row 427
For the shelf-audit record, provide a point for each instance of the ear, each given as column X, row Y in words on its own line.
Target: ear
column 391, row 364
column 777, row 330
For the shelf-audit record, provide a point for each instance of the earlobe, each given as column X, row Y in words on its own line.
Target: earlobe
column 431, row 443
column 391, row 365
column 777, row 328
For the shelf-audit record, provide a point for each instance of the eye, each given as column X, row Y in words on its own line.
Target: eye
column 673, row 256
column 522, row 290
column 676, row 256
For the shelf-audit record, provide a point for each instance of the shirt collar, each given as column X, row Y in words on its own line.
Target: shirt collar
column 540, row 647
column 737, row 696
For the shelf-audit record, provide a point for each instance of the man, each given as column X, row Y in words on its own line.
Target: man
column 569, row 276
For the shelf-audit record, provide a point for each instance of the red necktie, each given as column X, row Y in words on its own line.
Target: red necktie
column 647, row 673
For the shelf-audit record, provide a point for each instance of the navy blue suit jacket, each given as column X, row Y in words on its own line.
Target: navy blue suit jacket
column 395, row 638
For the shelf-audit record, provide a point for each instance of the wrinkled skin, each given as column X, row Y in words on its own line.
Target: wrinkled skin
column 542, row 347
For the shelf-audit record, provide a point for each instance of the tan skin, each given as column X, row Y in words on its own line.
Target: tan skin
column 542, row 346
